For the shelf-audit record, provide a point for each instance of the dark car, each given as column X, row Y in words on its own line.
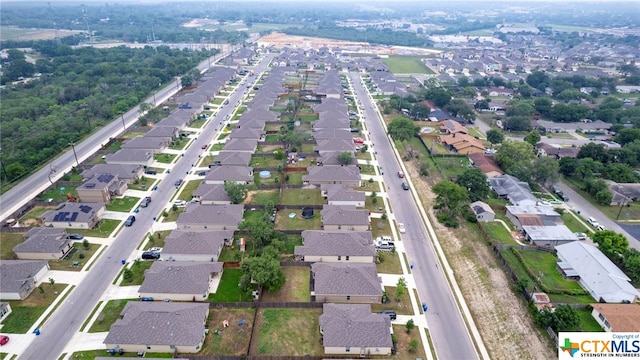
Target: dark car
column 75, row 236
column 150, row 172
column 4, row 339
column 390, row 313
column 178, row 182
column 405, row 186
column 150, row 255
column 130, row 220
column 145, row 202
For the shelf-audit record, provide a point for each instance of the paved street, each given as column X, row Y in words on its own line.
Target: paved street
column 448, row 331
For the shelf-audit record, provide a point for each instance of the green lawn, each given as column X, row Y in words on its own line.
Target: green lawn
column 573, row 224
column 571, row 299
column 377, row 207
column 406, row 65
column 35, row 213
column 498, row 233
column 275, row 178
column 263, row 197
column 25, row 313
column 301, row 197
column 109, row 315
column 124, row 204
column 294, row 178
column 104, row 228
column 92, row 354
column 188, row 189
column 390, row 263
column 79, row 254
column 546, row 263
column 179, row 143
column 380, row 227
column 587, row 322
column 295, row 288
column 451, row 166
column 403, row 306
column 59, row 194
column 198, row 123
column 164, row 158
column 516, row 266
column 9, row 241
column 216, row 147
column 228, row 289
column 284, row 222
column 265, row 162
column 137, row 271
column 293, row 332
column 144, row 183
column 367, row 169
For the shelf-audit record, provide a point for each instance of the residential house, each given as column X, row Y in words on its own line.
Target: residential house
column 500, row 91
column 220, row 174
column 336, row 246
column 351, row 329
column 153, row 144
column 18, row 278
column 533, row 216
column 211, row 194
column 248, row 133
column 510, row 188
column 340, row 194
column 101, row 188
column 595, row 272
column 195, row 246
column 556, row 152
column 347, row 175
column 334, row 145
column 486, row 164
column 236, row 158
column 181, row 280
column 623, row 194
column 482, row 211
column 548, row 236
column 346, row 283
column 246, row 145
column 74, row 215
column 617, row 317
column 128, row 173
column 163, row 132
column 461, row 143
column 130, row 157
column 43, row 243
column 335, row 217
column 452, row 127
column 176, row 327
column 197, row 217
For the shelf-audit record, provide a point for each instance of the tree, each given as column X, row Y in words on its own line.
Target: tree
column 345, row 158
column 543, row 105
column 482, row 104
column 538, row 80
column 439, row 96
column 41, row 289
column 626, row 136
column 594, row 151
column 264, row 270
column 631, row 263
column 413, row 345
column 517, row 123
column 495, row 136
column 52, row 281
column 236, row 192
column 533, row 137
column 459, row 108
column 568, row 166
column 410, row 325
column 403, row 129
column 604, row 197
column 449, row 198
column 611, row 243
column 520, row 108
column 401, row 289
column 587, row 167
column 545, row 170
column 475, row 181
column 513, row 152
column 565, row 318
column 419, row 111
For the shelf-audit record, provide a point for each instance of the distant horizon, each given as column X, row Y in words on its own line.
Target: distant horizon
column 142, row 2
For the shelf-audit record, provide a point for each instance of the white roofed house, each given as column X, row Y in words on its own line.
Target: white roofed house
column 482, row 211
column 595, row 272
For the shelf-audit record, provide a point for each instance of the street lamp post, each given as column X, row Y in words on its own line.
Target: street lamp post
column 73, row 146
column 123, row 124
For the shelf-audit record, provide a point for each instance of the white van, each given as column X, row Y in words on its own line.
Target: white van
column 384, row 243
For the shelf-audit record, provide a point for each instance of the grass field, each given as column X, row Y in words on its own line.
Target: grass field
column 451, row 166
column 59, row 194
column 390, row 263
column 26, row 312
column 104, row 229
column 262, row 197
column 406, row 65
column 295, row 288
column 109, row 315
column 284, row 222
column 14, row 33
column 301, row 197
column 67, row 263
column 293, row 332
column 403, row 306
column 124, row 204
column 228, row 289
column 9, row 241
column 497, row 232
column 232, row 340
column 544, row 263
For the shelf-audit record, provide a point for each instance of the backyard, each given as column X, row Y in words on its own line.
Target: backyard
column 295, row 288
column 301, row 196
column 498, row 233
column 231, row 340
column 285, row 221
column 228, row 289
column 262, row 197
column 293, row 332
column 544, row 264
column 9, row 241
column 60, row 194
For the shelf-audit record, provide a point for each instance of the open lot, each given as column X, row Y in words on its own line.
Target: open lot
column 294, row 332
column 232, row 340
column 406, row 65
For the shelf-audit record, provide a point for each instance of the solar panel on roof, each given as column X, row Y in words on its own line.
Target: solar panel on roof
column 58, row 217
column 105, row 178
column 74, row 216
column 85, row 208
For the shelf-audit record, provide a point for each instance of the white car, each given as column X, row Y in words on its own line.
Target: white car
column 593, row 222
column 544, row 203
column 155, row 249
column 179, row 203
column 401, row 228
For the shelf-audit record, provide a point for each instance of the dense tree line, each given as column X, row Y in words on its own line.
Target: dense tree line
column 371, row 35
column 78, row 91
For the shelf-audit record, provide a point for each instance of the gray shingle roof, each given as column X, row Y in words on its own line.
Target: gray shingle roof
column 44, row 243
column 332, row 134
column 353, row 325
column 195, row 243
column 329, row 243
column 73, row 212
column 344, row 215
column 332, row 173
column 150, row 143
column 334, row 145
column 233, row 158
column 339, row 192
column 221, row 215
column 159, row 323
column 127, row 156
column 229, row 173
column 179, row 277
column 122, row 171
column 211, row 192
column 241, row 145
column 346, row 279
column 16, row 274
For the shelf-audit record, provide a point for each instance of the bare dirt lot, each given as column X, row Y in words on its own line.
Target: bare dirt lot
column 500, row 315
column 13, row 33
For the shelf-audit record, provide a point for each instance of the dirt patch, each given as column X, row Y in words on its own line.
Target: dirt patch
column 231, row 340
column 501, row 316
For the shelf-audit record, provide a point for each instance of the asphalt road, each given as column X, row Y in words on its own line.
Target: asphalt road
column 448, row 330
column 71, row 314
column 15, row 198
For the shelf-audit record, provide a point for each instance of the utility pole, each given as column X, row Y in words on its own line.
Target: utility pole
column 4, row 172
column 73, row 146
column 123, row 124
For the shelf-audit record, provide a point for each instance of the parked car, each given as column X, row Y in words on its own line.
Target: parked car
column 150, row 172
column 401, row 228
column 150, row 255
column 392, row 314
column 130, row 220
column 145, row 202
column 179, row 203
column 601, row 228
column 75, row 236
column 384, row 243
column 156, row 249
column 405, row 186
column 564, row 197
column 580, row 236
column 400, row 174
column 4, row 339
column 178, row 182
column 593, row 222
